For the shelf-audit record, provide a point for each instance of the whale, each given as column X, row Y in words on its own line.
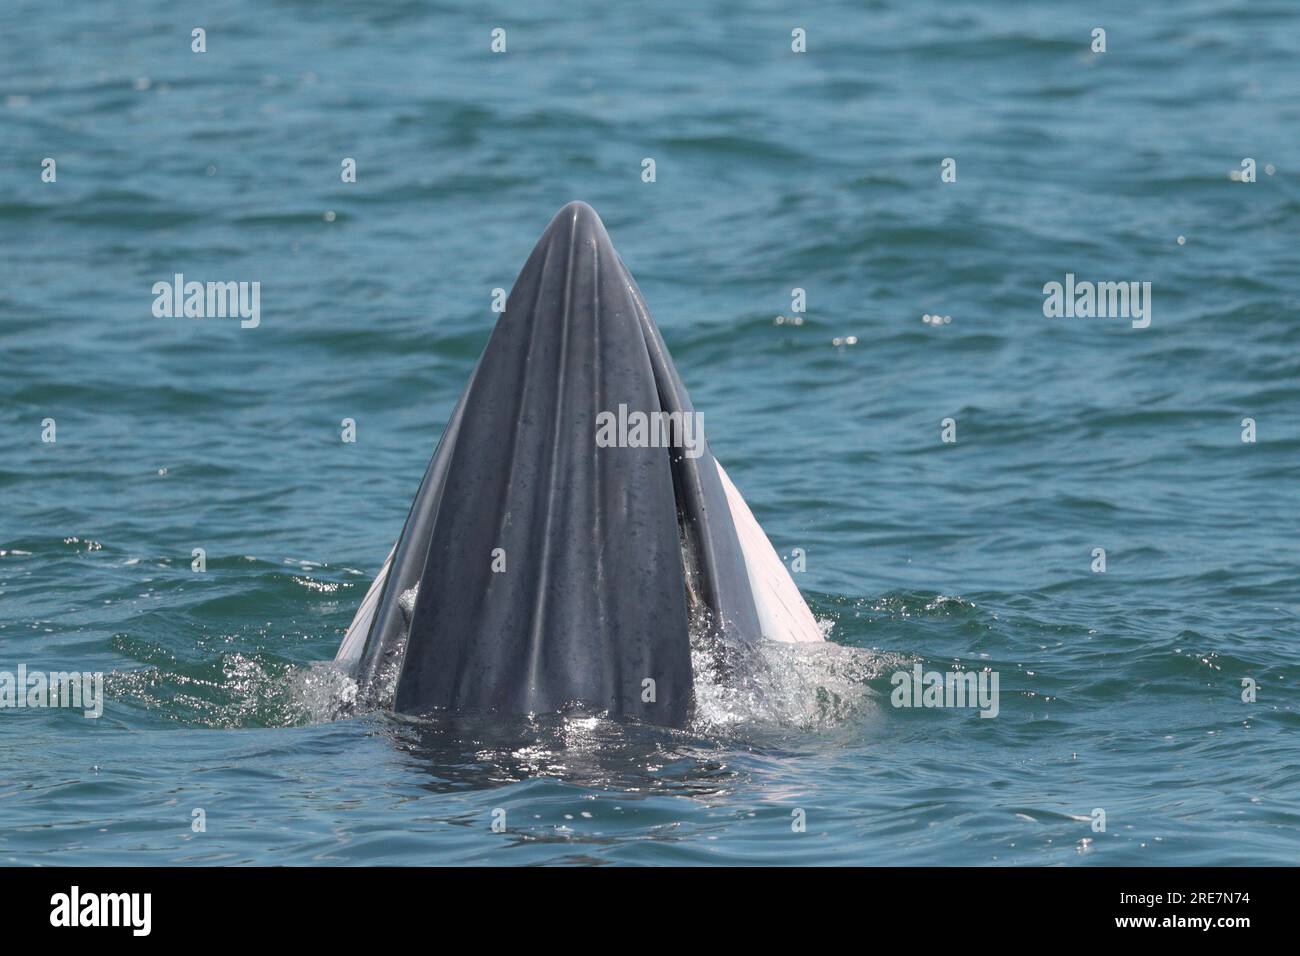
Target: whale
column 573, row 541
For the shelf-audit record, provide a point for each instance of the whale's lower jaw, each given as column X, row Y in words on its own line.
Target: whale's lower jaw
column 548, row 569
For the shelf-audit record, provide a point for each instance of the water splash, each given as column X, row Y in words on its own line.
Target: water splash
column 770, row 683
column 739, row 685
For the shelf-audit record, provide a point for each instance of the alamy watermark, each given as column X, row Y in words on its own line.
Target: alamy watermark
column 951, row 689
column 1099, row 300
column 208, row 300
column 75, row 908
column 36, row 689
column 684, row 430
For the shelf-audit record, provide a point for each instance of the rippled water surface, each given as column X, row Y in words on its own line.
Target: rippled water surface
column 1120, row 691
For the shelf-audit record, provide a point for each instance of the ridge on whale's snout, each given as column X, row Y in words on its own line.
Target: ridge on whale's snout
column 537, row 569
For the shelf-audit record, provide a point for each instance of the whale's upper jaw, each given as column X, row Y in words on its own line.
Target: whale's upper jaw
column 551, row 571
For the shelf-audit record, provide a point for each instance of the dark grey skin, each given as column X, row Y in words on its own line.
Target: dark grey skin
column 611, row 554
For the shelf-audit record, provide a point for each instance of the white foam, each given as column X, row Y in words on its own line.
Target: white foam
column 803, row 685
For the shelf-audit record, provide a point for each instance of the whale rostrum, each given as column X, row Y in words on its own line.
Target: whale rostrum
column 573, row 531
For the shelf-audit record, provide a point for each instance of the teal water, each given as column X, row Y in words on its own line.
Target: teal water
column 1119, row 690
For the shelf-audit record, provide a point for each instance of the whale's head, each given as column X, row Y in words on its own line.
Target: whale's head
column 573, row 529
